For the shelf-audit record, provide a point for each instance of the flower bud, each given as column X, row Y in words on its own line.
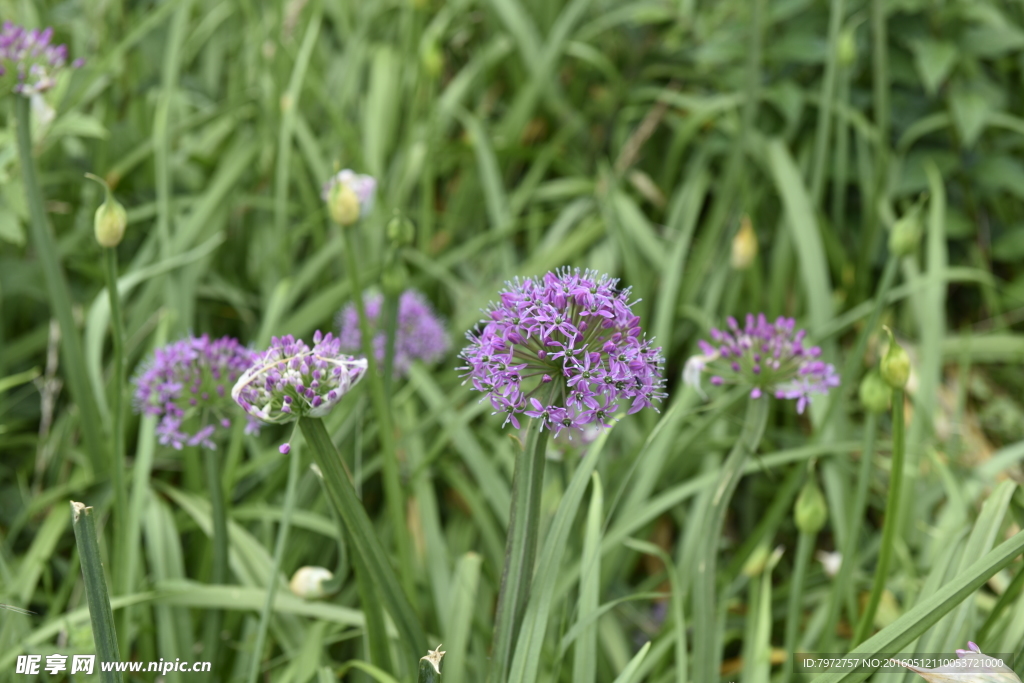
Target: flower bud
column 846, row 49
column 811, row 510
column 110, row 219
column 400, row 230
column 308, row 582
column 432, row 60
column 744, row 245
column 895, row 366
column 906, row 233
column 343, row 203
column 874, row 393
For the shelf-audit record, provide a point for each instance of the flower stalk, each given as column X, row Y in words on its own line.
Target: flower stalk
column 707, row 650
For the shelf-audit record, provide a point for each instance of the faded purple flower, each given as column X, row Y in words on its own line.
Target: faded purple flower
column 767, row 357
column 973, row 666
column 28, row 61
column 289, row 380
column 565, row 349
column 419, row 334
column 186, row 385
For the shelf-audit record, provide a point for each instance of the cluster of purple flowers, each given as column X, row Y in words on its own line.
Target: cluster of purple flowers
column 289, row 380
column 186, row 384
column 29, row 59
column 419, row 334
column 768, row 357
column 565, row 349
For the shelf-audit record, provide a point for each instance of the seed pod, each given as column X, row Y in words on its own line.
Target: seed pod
column 811, row 510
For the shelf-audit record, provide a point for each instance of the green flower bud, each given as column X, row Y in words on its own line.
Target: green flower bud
column 874, row 393
column 400, row 230
column 811, row 510
column 110, row 219
column 906, row 233
column 895, row 366
column 393, row 279
column 343, row 204
column 846, row 49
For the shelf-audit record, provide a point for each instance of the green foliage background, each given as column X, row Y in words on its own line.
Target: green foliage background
column 519, row 136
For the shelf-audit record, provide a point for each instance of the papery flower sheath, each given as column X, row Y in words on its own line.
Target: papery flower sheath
column 566, row 349
column 290, row 380
column 419, row 334
column 767, row 357
column 972, row 666
column 28, row 61
column 186, row 385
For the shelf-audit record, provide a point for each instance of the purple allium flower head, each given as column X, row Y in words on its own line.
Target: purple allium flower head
column 419, row 334
column 344, row 211
column 566, row 349
column 289, row 380
column 28, row 61
column 186, row 385
column 767, row 357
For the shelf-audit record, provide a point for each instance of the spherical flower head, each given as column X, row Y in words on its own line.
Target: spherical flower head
column 186, row 385
column 419, row 333
column 349, row 196
column 770, row 358
column 565, row 349
column 289, row 380
column 29, row 63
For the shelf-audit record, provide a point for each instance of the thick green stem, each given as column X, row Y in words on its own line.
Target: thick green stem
column 100, row 613
column 45, row 245
column 891, row 526
column 117, row 456
column 394, row 497
column 219, row 541
column 363, row 537
column 707, row 653
column 842, row 587
column 804, row 546
column 520, row 548
column 282, row 541
column 390, row 317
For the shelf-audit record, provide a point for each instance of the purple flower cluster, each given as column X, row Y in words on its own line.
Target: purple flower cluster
column 289, row 380
column 565, row 349
column 186, row 383
column 767, row 357
column 29, row 59
column 419, row 334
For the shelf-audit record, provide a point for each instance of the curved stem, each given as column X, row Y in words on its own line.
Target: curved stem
column 707, row 652
column 282, row 541
column 842, row 586
column 45, row 245
column 394, row 498
column 520, row 546
column 891, row 526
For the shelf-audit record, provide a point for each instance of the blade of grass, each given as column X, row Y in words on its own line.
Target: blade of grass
column 100, row 613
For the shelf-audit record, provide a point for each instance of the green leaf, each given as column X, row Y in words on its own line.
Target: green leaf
column 934, row 60
column 971, row 109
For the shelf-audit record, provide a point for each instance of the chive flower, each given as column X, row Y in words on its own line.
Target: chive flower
column 186, row 384
column 566, row 349
column 29, row 63
column 767, row 357
column 349, row 196
column 290, row 380
column 419, row 332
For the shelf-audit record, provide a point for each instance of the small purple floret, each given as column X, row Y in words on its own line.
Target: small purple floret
column 419, row 334
column 184, row 384
column 770, row 358
column 565, row 349
column 29, row 57
column 289, row 380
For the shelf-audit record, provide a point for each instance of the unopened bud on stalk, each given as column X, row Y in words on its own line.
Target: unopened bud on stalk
column 343, row 203
column 811, row 510
column 846, row 48
column 400, row 230
column 906, row 233
column 308, row 582
column 874, row 393
column 110, row 220
column 744, row 245
column 895, row 366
